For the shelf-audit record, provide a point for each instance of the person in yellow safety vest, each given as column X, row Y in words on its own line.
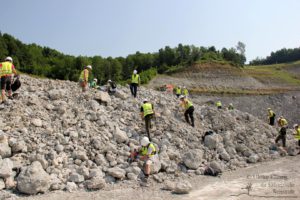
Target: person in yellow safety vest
column 282, row 123
column 271, row 116
column 147, row 113
column 178, row 91
column 7, row 70
column 189, row 109
column 219, row 105
column 297, row 133
column 147, row 153
column 135, row 82
column 185, row 91
column 84, row 77
column 230, row 107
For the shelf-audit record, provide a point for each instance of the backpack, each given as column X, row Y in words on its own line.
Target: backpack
column 113, row 85
column 211, row 172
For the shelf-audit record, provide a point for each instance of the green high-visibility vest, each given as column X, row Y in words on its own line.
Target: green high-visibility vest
column 144, row 150
column 6, row 69
column 147, row 109
column 185, row 92
column 219, row 104
column 189, row 104
column 135, row 78
column 178, row 90
column 297, row 136
column 81, row 77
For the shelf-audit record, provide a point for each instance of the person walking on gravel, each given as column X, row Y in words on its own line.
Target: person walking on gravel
column 282, row 123
column 189, row 109
column 7, row 70
column 271, row 116
column 84, row 77
column 147, row 113
column 135, row 82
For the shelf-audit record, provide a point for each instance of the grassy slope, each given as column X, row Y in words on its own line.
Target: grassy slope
column 282, row 77
column 283, row 73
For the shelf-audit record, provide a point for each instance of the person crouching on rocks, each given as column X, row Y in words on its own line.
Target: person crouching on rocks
column 147, row 153
column 189, row 109
column 84, row 77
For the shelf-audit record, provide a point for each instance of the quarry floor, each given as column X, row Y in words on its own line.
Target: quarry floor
column 276, row 179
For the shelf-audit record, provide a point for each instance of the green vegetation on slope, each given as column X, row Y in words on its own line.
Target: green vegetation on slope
column 47, row 62
column 276, row 73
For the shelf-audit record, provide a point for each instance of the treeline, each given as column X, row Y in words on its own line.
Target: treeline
column 47, row 62
column 281, row 56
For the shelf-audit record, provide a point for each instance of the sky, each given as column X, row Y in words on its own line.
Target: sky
column 121, row 27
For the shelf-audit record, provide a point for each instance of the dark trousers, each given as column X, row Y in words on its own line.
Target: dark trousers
column 282, row 136
column 299, row 143
column 148, row 124
column 189, row 112
column 133, row 89
column 272, row 120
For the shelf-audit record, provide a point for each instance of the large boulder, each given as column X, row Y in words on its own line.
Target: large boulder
column 120, row 94
column 95, row 183
column 56, row 94
column 102, row 97
column 6, row 168
column 120, row 136
column 193, row 158
column 33, row 179
column 5, row 150
column 117, row 172
column 211, row 141
column 182, row 187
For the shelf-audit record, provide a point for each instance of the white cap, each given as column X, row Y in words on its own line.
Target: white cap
column 145, row 100
column 145, row 141
column 181, row 97
column 9, row 59
column 89, row 67
column 95, row 79
column 295, row 125
column 109, row 81
column 134, row 72
column 230, row 104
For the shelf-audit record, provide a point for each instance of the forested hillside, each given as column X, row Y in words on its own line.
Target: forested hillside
column 47, row 62
column 281, row 56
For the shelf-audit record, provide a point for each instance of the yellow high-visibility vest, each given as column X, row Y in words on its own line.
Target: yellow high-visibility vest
column 147, row 109
column 135, row 78
column 144, row 150
column 6, row 69
column 84, row 75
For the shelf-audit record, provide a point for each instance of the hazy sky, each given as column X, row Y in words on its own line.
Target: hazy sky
column 121, row 27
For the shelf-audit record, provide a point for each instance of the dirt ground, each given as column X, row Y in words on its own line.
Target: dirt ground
column 277, row 179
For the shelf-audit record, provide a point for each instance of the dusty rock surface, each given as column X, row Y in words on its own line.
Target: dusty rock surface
column 73, row 138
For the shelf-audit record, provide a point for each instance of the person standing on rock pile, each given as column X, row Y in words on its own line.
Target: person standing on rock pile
column 84, row 77
column 178, row 91
column 271, row 116
column 111, row 87
column 282, row 123
column 189, row 109
column 230, row 107
column 219, row 105
column 185, row 92
column 135, row 82
column 147, row 113
column 297, row 133
column 7, row 70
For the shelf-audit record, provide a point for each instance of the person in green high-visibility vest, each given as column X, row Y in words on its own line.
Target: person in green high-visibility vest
column 189, row 109
column 178, row 91
column 7, row 70
column 185, row 91
column 147, row 113
column 135, row 82
column 219, row 105
column 297, row 133
column 84, row 77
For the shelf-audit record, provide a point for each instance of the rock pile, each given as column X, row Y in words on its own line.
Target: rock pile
column 56, row 138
